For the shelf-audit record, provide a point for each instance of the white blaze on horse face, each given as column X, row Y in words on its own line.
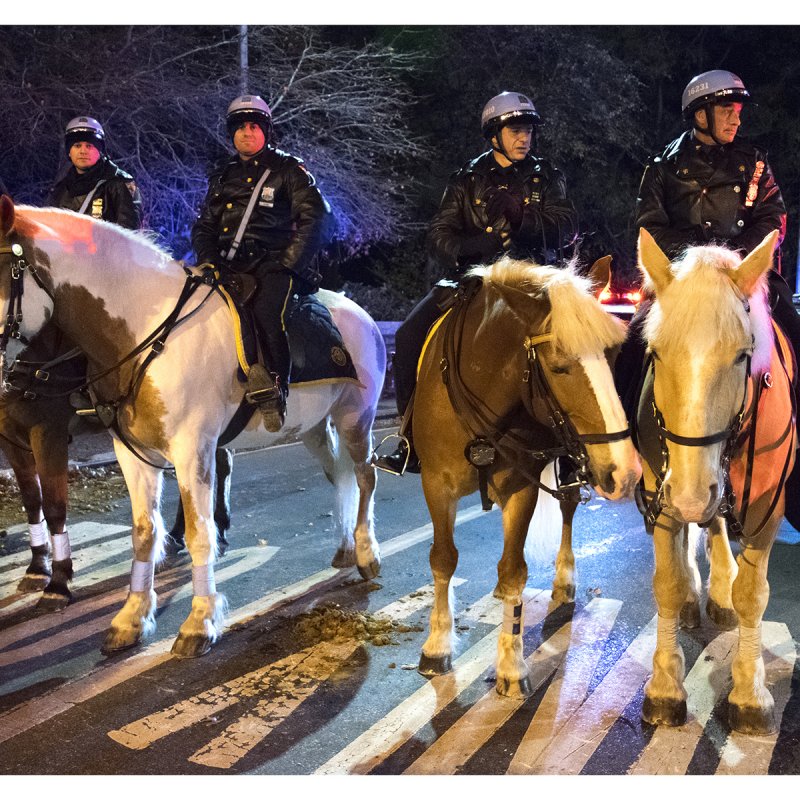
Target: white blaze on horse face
column 623, row 456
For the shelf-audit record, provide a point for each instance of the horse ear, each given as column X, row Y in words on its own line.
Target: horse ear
column 600, row 275
column 755, row 264
column 653, row 263
column 6, row 215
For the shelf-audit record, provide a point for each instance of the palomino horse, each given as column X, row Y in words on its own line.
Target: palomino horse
column 37, row 421
column 512, row 377
column 717, row 436
column 109, row 290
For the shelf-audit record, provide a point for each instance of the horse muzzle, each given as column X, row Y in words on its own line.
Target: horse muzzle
column 692, row 504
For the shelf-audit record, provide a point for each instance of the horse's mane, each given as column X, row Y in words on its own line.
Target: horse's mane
column 30, row 220
column 578, row 323
column 680, row 315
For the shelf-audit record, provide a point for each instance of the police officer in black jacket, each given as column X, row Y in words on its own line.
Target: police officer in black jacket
column 290, row 222
column 505, row 201
column 708, row 187
column 94, row 184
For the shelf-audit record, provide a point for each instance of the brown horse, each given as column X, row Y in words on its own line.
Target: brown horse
column 717, row 436
column 516, row 374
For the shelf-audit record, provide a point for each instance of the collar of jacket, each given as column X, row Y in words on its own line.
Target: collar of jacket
column 486, row 163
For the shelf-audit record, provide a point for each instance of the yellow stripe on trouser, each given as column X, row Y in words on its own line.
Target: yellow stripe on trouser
column 428, row 338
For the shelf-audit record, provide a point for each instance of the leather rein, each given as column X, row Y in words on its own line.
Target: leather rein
column 489, row 437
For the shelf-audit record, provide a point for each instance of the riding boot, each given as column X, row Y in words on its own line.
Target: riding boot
column 403, row 459
column 267, row 391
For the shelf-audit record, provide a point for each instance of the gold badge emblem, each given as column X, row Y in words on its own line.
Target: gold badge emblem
column 338, row 356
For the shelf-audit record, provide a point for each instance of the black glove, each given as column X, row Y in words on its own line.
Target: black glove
column 506, row 204
column 480, row 247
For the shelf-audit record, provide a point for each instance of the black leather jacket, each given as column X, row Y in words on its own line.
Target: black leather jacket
column 116, row 200
column 462, row 232
column 291, row 220
column 695, row 194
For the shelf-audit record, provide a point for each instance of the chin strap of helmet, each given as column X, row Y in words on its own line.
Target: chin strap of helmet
column 709, row 130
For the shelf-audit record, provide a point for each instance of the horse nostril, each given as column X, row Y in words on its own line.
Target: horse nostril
column 714, row 489
column 608, row 483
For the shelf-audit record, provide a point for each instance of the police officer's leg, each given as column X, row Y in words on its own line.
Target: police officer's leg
column 269, row 307
column 409, row 340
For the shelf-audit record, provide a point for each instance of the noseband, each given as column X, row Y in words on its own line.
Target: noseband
column 490, row 439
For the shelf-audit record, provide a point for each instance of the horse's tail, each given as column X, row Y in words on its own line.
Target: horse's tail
column 544, row 533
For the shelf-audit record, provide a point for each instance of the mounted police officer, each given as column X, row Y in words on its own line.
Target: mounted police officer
column 708, row 187
column 505, row 201
column 94, row 184
column 264, row 215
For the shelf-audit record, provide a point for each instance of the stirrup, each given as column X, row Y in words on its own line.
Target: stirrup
column 401, row 460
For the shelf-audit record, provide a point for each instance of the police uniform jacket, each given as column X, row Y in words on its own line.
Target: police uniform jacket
column 290, row 222
column 549, row 221
column 696, row 194
column 117, row 198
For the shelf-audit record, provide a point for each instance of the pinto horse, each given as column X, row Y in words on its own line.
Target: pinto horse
column 716, row 430
column 109, row 289
column 514, row 375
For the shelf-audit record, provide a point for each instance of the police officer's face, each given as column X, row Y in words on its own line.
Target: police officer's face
column 248, row 139
column 515, row 141
column 83, row 155
column 727, row 119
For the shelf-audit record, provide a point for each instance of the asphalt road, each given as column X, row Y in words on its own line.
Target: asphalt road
column 282, row 694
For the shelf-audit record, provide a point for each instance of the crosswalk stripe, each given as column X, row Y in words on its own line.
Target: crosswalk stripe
column 581, row 735
column 567, row 692
column 246, row 559
column 381, row 740
column 109, row 674
column 751, row 755
column 463, row 739
column 311, row 666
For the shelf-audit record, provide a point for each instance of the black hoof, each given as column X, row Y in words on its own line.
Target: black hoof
column 192, row 646
column 690, row 616
column 509, row 688
column 222, row 545
column 751, row 720
column 53, row 601
column 370, row 571
column 726, row 619
column 113, row 645
column 430, row 667
column 32, row 583
column 671, row 713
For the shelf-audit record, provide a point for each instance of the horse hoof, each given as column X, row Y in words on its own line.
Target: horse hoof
column 344, row 559
column 116, row 642
column 521, row 687
column 430, row 666
column 751, row 720
column 53, row 601
column 191, row 646
column 371, row 571
column 726, row 619
column 690, row 616
column 664, row 711
column 562, row 595
column 173, row 546
column 222, row 545
column 32, row 583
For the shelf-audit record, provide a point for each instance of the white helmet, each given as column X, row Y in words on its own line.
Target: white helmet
column 85, row 129
column 715, row 86
column 249, row 108
column 505, row 107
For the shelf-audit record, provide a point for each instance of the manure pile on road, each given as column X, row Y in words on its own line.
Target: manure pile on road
column 330, row 622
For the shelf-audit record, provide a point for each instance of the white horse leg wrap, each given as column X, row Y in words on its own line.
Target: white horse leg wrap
column 667, row 633
column 142, row 573
column 203, row 580
column 750, row 642
column 60, row 544
column 512, row 618
column 39, row 534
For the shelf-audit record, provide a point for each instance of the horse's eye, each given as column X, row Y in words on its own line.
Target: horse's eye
column 742, row 357
column 559, row 369
column 655, row 355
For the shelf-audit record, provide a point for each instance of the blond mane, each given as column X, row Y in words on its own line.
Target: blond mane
column 577, row 321
column 703, row 306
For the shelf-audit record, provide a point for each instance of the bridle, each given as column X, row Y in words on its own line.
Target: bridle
column 12, row 325
column 489, row 437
